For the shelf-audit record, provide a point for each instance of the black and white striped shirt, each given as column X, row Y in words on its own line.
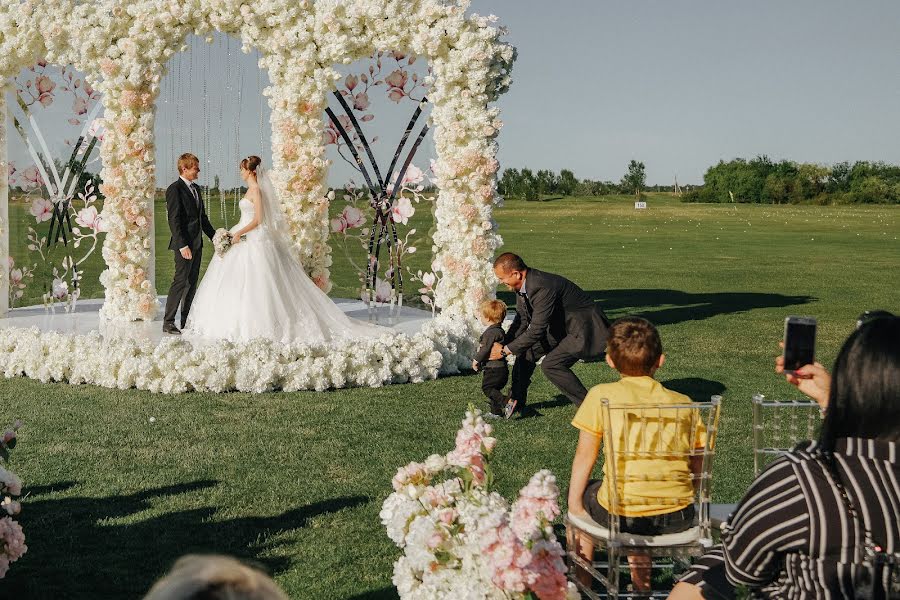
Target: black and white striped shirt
column 792, row 535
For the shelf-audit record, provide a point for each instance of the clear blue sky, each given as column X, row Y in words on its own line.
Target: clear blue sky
column 676, row 84
column 681, row 84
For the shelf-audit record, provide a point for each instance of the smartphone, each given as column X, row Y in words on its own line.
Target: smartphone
column 799, row 342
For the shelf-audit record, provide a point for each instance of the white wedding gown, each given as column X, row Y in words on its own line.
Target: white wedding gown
column 258, row 289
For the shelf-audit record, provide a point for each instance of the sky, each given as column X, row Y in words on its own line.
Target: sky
column 682, row 84
column 676, row 84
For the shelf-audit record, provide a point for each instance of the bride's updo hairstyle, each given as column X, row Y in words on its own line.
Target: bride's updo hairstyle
column 251, row 163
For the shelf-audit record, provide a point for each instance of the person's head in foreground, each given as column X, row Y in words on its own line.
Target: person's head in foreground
column 864, row 399
column 214, row 577
column 634, row 348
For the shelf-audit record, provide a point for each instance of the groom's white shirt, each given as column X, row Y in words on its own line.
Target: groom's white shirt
column 190, row 185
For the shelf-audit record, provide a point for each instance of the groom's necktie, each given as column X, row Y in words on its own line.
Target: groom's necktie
column 196, row 197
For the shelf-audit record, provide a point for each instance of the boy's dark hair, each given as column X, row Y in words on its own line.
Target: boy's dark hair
column 634, row 346
column 493, row 310
column 865, row 385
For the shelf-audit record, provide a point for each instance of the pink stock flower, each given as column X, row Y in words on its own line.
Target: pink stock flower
column 402, row 210
column 41, row 209
column 88, row 217
column 361, row 101
column 13, row 538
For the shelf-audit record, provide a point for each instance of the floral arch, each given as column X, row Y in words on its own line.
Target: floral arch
column 122, row 47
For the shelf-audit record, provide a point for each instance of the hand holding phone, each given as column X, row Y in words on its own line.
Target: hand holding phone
column 799, row 343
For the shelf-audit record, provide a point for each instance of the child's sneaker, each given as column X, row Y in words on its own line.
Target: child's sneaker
column 510, row 408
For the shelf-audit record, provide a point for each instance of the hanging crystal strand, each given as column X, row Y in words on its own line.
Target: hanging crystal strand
column 190, row 81
column 237, row 137
column 222, row 166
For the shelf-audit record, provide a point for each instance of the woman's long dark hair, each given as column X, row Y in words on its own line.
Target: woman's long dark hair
column 865, row 386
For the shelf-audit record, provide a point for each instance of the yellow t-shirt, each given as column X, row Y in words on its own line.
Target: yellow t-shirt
column 646, row 486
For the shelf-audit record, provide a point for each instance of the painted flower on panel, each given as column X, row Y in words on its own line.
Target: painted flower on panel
column 88, row 217
column 41, row 209
column 402, row 210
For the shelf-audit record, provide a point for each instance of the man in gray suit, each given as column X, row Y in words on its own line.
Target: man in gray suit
column 188, row 222
column 555, row 319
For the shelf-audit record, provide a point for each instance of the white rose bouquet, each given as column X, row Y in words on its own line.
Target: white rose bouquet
column 222, row 241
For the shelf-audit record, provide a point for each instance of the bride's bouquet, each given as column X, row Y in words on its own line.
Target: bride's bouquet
column 222, row 241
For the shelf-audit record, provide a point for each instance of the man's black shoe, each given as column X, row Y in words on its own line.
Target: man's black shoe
column 171, row 329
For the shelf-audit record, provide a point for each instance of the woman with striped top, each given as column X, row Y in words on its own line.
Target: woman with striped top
column 824, row 520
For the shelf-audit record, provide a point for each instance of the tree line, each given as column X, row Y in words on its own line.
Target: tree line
column 526, row 184
column 760, row 180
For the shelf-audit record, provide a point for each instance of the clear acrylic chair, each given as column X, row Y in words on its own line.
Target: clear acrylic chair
column 675, row 437
column 779, row 425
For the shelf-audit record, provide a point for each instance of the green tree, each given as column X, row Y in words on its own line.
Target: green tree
column 635, row 178
column 567, row 182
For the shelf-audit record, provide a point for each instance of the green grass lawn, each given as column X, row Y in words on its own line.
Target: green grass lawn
column 295, row 481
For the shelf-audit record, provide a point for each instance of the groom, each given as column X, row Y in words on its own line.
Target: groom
column 188, row 222
column 555, row 319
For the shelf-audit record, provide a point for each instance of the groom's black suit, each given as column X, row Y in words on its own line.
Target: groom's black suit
column 188, row 222
column 555, row 319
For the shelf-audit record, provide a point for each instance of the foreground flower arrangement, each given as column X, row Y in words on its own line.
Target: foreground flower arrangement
column 117, row 360
column 461, row 540
column 12, row 538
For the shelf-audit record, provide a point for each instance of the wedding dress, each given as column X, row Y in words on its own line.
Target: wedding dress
column 258, row 289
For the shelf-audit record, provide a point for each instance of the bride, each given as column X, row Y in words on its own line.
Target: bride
column 258, row 289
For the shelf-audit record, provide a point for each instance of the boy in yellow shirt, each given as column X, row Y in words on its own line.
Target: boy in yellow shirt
column 648, row 507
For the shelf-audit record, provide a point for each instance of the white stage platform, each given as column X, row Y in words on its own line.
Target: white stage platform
column 86, row 319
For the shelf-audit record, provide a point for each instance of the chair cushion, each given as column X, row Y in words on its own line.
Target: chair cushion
column 593, row 528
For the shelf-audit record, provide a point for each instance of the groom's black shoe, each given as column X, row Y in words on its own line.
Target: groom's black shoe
column 170, row 328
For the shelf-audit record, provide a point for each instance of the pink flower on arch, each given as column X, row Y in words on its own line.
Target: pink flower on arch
column 329, row 135
column 402, row 210
column 80, row 106
column 353, row 216
column 338, row 225
column 44, row 84
column 32, row 176
column 361, row 101
column 41, row 209
column 60, row 289
column 88, row 217
column 350, row 82
column 397, row 79
column 413, row 176
column 396, row 95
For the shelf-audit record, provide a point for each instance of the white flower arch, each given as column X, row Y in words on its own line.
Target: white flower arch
column 122, row 47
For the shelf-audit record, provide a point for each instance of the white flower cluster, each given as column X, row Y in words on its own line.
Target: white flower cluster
column 461, row 540
column 174, row 365
column 123, row 45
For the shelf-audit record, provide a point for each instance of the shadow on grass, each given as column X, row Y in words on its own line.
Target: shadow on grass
column 388, row 593
column 697, row 388
column 680, row 306
column 557, row 400
column 79, row 548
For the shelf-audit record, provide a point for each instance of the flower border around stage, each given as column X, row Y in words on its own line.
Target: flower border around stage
column 442, row 347
column 122, row 47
